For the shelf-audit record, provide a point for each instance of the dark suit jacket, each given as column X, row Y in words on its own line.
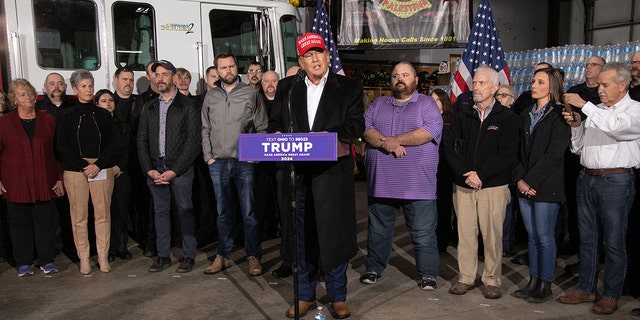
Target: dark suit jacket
column 332, row 183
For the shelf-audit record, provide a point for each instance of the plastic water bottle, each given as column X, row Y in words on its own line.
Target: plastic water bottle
column 320, row 314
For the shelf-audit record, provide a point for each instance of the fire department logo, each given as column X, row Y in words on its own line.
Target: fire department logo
column 404, row 8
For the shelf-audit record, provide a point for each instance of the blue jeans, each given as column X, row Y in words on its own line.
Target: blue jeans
column 225, row 173
column 421, row 217
column 180, row 187
column 335, row 279
column 540, row 221
column 604, row 201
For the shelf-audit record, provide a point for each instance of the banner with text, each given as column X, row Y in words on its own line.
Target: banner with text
column 403, row 24
column 314, row 146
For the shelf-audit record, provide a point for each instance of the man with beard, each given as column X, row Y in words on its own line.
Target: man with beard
column 326, row 216
column 168, row 143
column 265, row 200
column 124, row 102
column 229, row 110
column 254, row 74
column 481, row 150
column 125, row 99
column 403, row 134
column 268, row 87
column 55, row 98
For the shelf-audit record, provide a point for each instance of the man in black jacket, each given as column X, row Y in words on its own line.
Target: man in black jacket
column 322, row 101
column 481, row 150
column 168, row 143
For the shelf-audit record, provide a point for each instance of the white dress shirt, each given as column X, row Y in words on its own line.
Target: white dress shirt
column 314, row 92
column 610, row 136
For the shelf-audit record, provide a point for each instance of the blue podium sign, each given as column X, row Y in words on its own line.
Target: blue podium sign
column 314, row 146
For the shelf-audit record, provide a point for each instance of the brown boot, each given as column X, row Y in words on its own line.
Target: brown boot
column 255, row 268
column 605, row 306
column 218, row 265
column 85, row 266
column 576, row 296
column 303, row 308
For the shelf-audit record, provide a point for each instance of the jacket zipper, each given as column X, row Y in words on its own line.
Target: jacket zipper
column 99, row 135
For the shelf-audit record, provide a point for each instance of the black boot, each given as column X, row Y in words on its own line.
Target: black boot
column 541, row 294
column 530, row 287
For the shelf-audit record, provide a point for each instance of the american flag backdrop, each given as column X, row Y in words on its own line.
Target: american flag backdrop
column 483, row 47
column 322, row 27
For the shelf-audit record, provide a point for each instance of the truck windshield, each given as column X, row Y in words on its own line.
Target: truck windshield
column 237, row 32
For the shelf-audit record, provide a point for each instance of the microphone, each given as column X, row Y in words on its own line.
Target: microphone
column 299, row 76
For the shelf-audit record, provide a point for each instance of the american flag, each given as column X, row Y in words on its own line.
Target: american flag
column 483, row 47
column 322, row 27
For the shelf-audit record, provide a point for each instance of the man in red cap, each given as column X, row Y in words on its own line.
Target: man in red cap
column 322, row 101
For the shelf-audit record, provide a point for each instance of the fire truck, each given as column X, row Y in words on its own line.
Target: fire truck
column 38, row 37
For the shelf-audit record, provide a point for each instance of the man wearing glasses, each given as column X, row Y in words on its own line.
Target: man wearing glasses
column 634, row 69
column 254, row 74
column 582, row 93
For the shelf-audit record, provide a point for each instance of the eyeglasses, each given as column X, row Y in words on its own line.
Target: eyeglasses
column 254, row 71
column 592, row 65
column 634, row 62
column 503, row 95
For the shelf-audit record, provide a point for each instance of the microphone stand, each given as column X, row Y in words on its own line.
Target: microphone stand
column 292, row 209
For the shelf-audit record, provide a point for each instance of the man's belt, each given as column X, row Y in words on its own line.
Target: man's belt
column 603, row 172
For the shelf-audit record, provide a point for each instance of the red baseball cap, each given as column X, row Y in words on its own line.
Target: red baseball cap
column 309, row 41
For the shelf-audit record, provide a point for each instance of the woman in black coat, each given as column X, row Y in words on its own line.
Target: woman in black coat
column 540, row 175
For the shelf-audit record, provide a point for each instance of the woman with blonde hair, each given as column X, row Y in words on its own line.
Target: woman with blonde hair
column 30, row 179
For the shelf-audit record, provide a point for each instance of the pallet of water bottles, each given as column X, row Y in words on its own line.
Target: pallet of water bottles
column 570, row 58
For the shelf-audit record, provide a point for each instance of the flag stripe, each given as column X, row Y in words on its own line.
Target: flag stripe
column 322, row 27
column 483, row 47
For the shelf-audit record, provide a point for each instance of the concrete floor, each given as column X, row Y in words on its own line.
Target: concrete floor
column 130, row 292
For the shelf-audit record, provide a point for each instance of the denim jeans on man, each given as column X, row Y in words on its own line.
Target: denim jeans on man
column 335, row 279
column 225, row 173
column 604, row 201
column 421, row 217
column 540, row 221
column 181, row 188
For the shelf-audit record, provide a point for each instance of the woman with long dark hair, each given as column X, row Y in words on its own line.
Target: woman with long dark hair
column 122, row 184
column 445, row 231
column 544, row 137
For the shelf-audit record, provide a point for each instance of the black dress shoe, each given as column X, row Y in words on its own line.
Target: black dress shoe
column 636, row 312
column 160, row 264
column 281, row 272
column 150, row 253
column 186, row 265
column 124, row 255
